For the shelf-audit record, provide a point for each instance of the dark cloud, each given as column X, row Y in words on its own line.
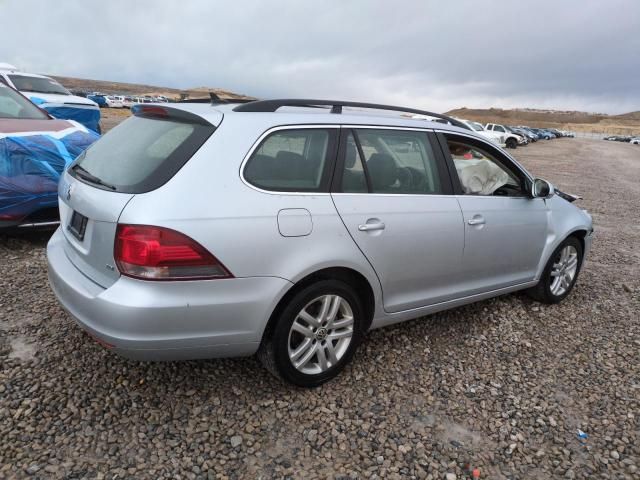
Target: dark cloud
column 574, row 54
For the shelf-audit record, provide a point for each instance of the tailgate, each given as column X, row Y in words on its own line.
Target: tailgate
column 90, row 250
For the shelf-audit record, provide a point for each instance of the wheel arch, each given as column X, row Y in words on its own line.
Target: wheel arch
column 350, row 276
column 579, row 232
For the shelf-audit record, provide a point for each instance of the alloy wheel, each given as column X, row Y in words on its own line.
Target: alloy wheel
column 564, row 270
column 320, row 334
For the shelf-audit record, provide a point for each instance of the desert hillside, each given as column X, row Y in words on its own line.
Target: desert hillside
column 110, row 87
column 625, row 124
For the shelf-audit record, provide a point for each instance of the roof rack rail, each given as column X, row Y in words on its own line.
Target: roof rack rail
column 336, row 107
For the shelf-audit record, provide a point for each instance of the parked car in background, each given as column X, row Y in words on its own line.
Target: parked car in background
column 544, row 134
column 128, row 101
column 52, row 97
column 635, row 141
column 619, row 138
column 114, row 101
column 477, row 127
column 34, row 150
column 511, row 140
column 523, row 132
column 556, row 132
column 523, row 138
column 325, row 226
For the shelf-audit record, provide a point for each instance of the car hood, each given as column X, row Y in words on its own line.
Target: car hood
column 58, row 98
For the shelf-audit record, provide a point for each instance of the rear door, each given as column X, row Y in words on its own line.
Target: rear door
column 139, row 155
column 393, row 193
column 505, row 229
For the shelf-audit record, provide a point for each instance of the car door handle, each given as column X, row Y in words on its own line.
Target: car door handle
column 477, row 220
column 368, row 227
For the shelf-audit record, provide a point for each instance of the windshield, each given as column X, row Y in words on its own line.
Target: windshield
column 36, row 84
column 477, row 126
column 14, row 105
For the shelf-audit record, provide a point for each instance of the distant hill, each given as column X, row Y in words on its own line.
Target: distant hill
column 627, row 124
column 111, row 87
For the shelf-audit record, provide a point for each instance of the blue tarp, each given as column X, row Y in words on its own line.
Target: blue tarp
column 89, row 117
column 31, row 165
column 85, row 114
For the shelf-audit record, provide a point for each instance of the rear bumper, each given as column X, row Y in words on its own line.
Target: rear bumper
column 148, row 320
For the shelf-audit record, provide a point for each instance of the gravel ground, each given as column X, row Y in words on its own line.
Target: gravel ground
column 502, row 385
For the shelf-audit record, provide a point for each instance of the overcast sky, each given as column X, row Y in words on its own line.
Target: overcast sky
column 438, row 55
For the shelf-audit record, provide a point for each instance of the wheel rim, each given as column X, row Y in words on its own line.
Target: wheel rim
column 320, row 334
column 564, row 270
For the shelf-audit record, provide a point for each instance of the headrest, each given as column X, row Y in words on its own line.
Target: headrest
column 383, row 170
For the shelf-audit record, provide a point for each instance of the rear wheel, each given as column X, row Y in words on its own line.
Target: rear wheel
column 560, row 274
column 315, row 335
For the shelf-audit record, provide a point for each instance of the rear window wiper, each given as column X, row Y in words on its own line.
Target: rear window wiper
column 84, row 174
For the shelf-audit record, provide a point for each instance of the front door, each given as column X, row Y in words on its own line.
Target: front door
column 394, row 195
column 505, row 228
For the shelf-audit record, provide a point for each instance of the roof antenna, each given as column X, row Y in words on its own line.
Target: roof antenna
column 336, row 109
column 215, row 99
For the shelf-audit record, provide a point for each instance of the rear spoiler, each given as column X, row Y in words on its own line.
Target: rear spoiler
column 216, row 100
column 160, row 112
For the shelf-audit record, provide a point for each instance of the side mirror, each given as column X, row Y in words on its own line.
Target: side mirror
column 541, row 189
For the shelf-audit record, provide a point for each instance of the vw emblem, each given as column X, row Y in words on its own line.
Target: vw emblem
column 69, row 192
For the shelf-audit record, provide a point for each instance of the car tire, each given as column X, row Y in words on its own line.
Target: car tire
column 511, row 143
column 560, row 274
column 306, row 347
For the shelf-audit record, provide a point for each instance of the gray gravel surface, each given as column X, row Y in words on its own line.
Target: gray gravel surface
column 502, row 385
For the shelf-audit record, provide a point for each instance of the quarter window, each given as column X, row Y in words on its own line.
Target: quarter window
column 292, row 160
column 390, row 161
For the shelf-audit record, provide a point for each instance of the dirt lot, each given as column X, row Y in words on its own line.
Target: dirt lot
column 503, row 384
column 110, row 117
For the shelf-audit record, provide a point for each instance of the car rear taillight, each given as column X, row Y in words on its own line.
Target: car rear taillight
column 157, row 253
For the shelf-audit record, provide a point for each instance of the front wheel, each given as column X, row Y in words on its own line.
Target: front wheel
column 560, row 274
column 315, row 335
column 511, row 143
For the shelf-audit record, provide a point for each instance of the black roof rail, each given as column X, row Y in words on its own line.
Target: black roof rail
column 336, row 107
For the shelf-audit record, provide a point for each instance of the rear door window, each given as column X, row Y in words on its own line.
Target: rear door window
column 391, row 161
column 293, row 160
column 143, row 153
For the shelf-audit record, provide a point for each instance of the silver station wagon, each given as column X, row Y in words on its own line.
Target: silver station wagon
column 289, row 228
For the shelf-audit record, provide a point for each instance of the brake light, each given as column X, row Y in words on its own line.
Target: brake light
column 158, row 253
column 150, row 111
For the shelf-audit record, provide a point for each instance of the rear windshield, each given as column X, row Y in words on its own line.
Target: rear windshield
column 14, row 105
column 37, row 84
column 142, row 154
